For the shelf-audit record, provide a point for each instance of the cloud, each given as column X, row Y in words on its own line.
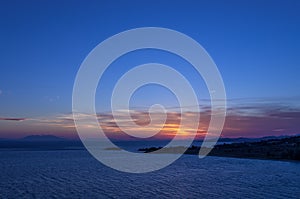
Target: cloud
column 11, row 119
column 52, row 99
column 243, row 120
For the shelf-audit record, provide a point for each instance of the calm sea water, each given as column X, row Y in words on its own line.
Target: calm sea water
column 76, row 174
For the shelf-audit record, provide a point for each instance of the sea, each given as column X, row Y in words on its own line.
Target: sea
column 77, row 174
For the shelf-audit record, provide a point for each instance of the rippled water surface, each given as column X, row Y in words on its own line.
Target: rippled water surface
column 76, row 174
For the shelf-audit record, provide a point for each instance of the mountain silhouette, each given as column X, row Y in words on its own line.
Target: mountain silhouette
column 42, row 138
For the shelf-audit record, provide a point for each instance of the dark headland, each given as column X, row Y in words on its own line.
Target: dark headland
column 276, row 149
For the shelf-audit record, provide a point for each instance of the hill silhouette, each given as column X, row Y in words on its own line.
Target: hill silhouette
column 42, row 138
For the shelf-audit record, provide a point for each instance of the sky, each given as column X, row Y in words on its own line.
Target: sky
column 255, row 45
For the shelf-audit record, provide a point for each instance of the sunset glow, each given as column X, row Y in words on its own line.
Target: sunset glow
column 240, row 122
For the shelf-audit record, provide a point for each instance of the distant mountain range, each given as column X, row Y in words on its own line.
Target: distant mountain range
column 42, row 138
column 37, row 138
column 40, row 142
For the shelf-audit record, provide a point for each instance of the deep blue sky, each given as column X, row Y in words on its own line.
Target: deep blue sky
column 255, row 44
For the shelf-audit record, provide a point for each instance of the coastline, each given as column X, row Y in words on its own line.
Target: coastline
column 273, row 149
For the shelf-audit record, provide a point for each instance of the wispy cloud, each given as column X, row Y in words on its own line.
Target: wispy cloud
column 243, row 121
column 260, row 118
column 11, row 119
